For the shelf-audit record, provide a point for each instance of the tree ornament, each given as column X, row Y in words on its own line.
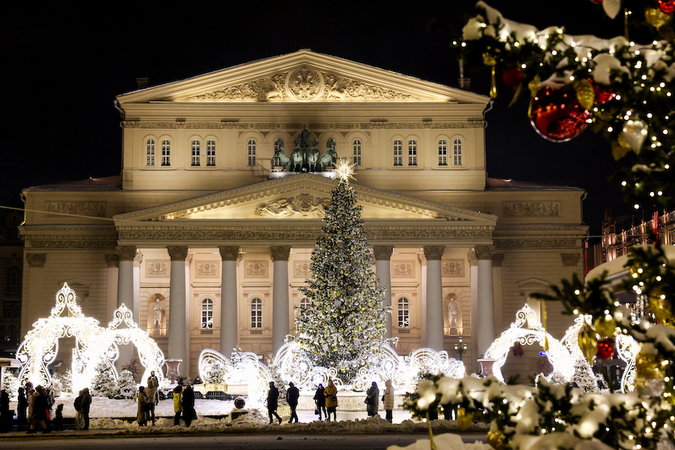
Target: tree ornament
column 557, row 115
column 604, row 326
column 635, row 133
column 587, row 342
column 657, row 18
column 667, row 6
column 490, row 60
column 496, row 439
column 660, row 306
column 464, row 419
column 648, row 366
column 585, row 93
column 605, row 348
column 512, row 77
column 603, row 94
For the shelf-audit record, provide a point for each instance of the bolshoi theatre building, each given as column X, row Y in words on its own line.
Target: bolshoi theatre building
column 207, row 233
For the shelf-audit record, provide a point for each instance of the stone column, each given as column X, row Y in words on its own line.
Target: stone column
column 135, row 307
column 125, row 277
column 473, row 263
column 32, row 309
column 228, row 301
column 434, row 297
column 280, row 315
column 113, row 262
column 177, row 326
column 485, row 327
column 497, row 260
column 383, row 271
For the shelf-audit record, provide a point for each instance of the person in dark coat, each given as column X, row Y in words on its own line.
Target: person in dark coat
column 320, row 400
column 39, row 410
column 372, row 399
column 84, row 407
column 188, row 405
column 58, row 419
column 292, row 396
column 22, row 406
column 273, row 402
column 5, row 418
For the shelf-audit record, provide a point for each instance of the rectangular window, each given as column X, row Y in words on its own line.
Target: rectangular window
column 398, row 153
column 442, row 153
column 412, row 153
column 196, row 153
column 211, row 153
column 166, row 153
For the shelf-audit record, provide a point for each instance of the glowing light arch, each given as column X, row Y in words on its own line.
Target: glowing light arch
column 558, row 355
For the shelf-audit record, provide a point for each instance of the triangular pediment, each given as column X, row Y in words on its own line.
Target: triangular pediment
column 303, row 76
column 301, row 197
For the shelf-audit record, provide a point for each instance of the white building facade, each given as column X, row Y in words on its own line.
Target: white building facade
column 208, row 238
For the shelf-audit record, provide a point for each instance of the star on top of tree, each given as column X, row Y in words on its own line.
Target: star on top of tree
column 345, row 170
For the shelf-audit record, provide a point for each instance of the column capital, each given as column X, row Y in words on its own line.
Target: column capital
column 471, row 256
column 138, row 259
column 229, row 253
column 382, row 252
column 484, row 252
column 36, row 260
column 497, row 259
column 177, row 253
column 570, row 259
column 280, row 253
column 434, row 252
column 112, row 260
column 126, row 253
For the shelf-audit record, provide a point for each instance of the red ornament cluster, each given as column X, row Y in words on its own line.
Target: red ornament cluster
column 512, row 77
column 605, row 348
column 667, row 6
column 557, row 115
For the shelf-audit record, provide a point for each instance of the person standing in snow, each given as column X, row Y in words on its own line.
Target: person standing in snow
column 292, row 396
column 388, row 398
column 273, row 402
column 5, row 418
column 150, row 401
column 84, row 407
column 22, row 406
column 177, row 405
column 320, row 400
column 142, row 399
column 331, row 400
column 372, row 399
column 188, row 405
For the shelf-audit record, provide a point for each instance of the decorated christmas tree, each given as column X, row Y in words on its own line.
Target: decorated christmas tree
column 344, row 323
column 104, row 383
column 126, row 385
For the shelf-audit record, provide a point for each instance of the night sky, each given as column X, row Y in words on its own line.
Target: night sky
column 64, row 67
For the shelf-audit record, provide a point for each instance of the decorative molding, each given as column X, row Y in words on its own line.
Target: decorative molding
column 36, row 260
column 156, row 268
column 257, row 268
column 112, row 260
column 403, row 269
column 497, row 259
column 484, row 252
column 570, row 259
column 229, row 253
column 471, row 256
column 536, row 243
column 126, row 253
column 382, row 253
column 77, row 242
column 452, row 268
column 304, row 204
column 178, row 253
column 93, row 209
column 434, row 252
column 207, row 269
column 166, row 125
column 302, row 269
column 280, row 253
column 526, row 209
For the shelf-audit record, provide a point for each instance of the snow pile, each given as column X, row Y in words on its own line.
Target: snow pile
column 443, row 442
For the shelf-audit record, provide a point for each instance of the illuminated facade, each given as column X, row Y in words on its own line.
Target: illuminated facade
column 209, row 229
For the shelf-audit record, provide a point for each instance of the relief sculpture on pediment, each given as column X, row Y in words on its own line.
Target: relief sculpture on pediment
column 304, row 205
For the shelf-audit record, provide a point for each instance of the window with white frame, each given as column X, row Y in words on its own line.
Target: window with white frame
column 196, row 152
column 278, row 147
column 412, row 152
column 251, row 152
column 166, row 152
column 256, row 313
column 442, row 153
column 304, row 303
column 398, row 152
column 211, row 153
column 457, row 152
column 207, row 313
column 356, row 147
column 403, row 313
column 150, row 152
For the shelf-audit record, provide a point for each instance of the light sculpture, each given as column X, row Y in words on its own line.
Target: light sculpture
column 627, row 348
column 527, row 330
column 584, row 376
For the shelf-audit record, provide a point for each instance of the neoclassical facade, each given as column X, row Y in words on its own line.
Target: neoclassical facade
column 208, row 232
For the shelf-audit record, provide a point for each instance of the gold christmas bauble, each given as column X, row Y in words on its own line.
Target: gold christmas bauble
column 496, row 439
column 587, row 342
column 606, row 327
column 648, row 366
column 464, row 419
column 585, row 93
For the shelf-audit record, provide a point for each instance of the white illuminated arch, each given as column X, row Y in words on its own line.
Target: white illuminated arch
column 527, row 330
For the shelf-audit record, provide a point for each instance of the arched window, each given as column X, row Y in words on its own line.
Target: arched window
column 304, row 303
column 412, row 152
column 256, row 313
column 150, row 152
column 442, row 153
column 356, row 146
column 457, row 152
column 211, row 153
column 251, row 152
column 403, row 313
column 196, row 153
column 207, row 313
column 13, row 280
column 398, row 152
column 166, row 152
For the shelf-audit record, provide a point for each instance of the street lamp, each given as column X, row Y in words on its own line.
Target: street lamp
column 460, row 348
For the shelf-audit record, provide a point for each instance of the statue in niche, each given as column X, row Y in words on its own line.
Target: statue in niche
column 157, row 314
column 453, row 314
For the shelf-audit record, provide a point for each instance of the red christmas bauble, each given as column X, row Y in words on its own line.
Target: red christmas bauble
column 512, row 77
column 667, row 6
column 605, row 348
column 603, row 94
column 557, row 115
